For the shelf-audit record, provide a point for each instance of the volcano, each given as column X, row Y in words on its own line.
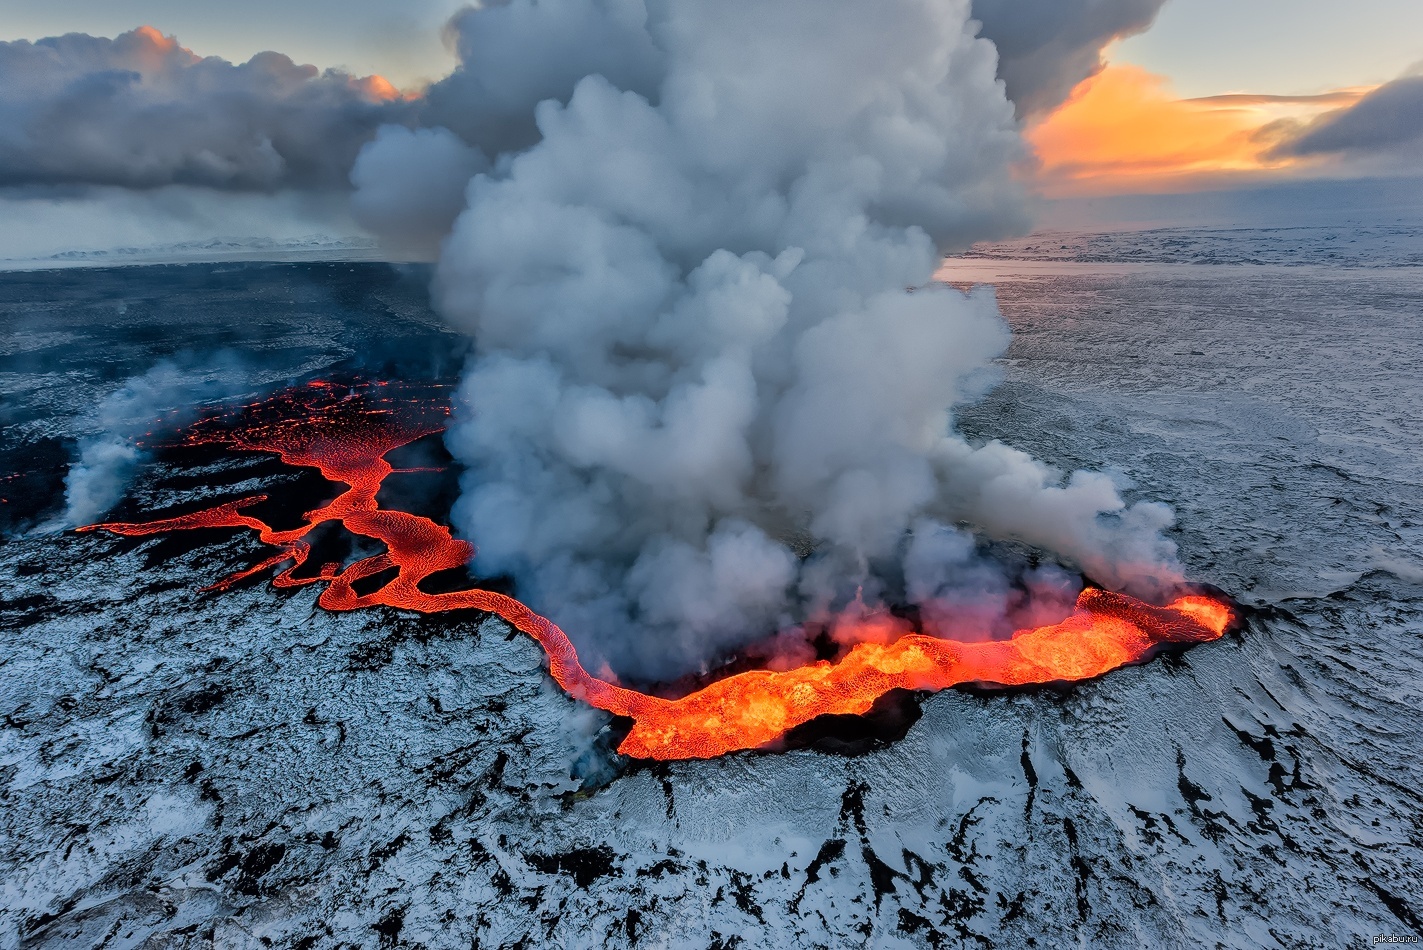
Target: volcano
column 346, row 431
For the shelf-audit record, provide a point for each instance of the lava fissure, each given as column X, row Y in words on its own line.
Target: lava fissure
column 348, row 438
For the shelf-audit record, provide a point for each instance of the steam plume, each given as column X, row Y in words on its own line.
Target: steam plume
column 108, row 459
column 695, row 242
column 515, row 54
column 714, row 384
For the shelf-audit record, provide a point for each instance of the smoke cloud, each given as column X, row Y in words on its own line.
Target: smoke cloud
column 713, row 390
column 140, row 111
column 108, row 459
column 514, row 55
column 410, row 185
column 1046, row 47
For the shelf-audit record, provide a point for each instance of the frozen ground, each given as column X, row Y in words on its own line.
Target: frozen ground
column 182, row 770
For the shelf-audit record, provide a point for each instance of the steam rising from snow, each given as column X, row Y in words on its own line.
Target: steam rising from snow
column 108, row 459
column 714, row 384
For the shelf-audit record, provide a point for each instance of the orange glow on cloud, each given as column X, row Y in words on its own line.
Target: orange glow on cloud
column 1123, row 131
column 378, row 89
column 154, row 47
column 159, row 41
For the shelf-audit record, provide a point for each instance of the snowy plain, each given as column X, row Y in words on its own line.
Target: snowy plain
column 188, row 770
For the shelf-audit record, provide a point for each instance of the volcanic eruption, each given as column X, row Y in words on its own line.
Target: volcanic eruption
column 714, row 381
column 712, row 390
column 346, row 432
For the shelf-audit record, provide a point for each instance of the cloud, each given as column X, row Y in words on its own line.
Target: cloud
column 1124, row 130
column 1387, row 123
column 1047, row 47
column 409, row 185
column 140, row 111
column 514, row 54
column 1337, row 98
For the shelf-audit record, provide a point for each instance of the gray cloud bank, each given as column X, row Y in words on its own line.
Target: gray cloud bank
column 1385, row 123
column 139, row 111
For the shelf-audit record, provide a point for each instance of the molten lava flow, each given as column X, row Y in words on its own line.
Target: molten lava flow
column 347, row 433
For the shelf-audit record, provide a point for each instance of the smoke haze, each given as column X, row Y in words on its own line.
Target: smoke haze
column 107, row 460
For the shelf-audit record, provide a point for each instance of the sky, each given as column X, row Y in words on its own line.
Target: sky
column 1209, row 96
column 1205, row 47
column 1217, row 94
column 1278, row 47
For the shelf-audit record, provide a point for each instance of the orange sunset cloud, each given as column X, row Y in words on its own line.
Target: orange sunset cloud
column 1123, row 130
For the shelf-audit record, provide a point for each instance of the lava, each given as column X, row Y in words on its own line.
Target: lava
column 347, row 432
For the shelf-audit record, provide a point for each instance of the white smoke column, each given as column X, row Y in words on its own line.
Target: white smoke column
column 98, row 478
column 708, row 340
column 109, row 458
column 409, row 186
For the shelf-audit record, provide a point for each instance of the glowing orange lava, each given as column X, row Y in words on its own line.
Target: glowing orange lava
column 347, row 433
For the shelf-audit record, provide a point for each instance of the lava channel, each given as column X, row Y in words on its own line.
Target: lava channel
column 347, row 432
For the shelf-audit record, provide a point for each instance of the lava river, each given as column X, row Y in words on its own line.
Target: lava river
column 347, row 432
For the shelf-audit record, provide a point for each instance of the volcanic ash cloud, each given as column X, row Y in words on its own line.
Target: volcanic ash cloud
column 714, row 385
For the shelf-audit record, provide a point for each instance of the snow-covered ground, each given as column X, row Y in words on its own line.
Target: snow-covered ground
column 1341, row 245
column 181, row 769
